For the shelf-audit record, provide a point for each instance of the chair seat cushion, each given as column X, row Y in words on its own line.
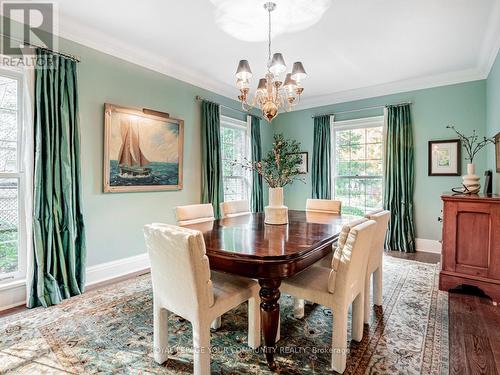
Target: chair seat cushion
column 310, row 284
column 230, row 291
column 326, row 261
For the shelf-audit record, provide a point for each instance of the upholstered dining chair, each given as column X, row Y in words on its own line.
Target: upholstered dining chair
column 183, row 284
column 339, row 286
column 194, row 213
column 234, row 208
column 324, row 205
column 375, row 261
column 317, row 207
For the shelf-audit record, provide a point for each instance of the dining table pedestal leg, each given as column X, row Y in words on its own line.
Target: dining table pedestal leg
column 270, row 313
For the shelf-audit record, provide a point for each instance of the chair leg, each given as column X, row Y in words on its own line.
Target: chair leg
column 377, row 286
column 160, row 333
column 201, row 348
column 254, row 322
column 216, row 323
column 298, row 308
column 278, row 332
column 367, row 308
column 358, row 308
column 339, row 340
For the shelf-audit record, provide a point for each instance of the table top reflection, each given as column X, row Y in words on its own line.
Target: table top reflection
column 249, row 237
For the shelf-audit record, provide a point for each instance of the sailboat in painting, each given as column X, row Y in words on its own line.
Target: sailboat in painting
column 131, row 160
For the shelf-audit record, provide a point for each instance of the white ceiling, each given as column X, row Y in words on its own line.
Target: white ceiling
column 356, row 49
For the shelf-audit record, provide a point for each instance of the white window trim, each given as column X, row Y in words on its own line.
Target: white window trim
column 230, row 122
column 20, row 175
column 360, row 123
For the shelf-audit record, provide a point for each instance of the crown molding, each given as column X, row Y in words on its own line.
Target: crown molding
column 491, row 42
column 413, row 84
column 73, row 31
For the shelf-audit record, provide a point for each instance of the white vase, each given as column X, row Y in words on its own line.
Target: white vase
column 471, row 181
column 276, row 213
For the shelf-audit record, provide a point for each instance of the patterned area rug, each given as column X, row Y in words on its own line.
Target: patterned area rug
column 109, row 331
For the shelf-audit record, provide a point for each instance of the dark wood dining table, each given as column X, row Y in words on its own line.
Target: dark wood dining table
column 246, row 246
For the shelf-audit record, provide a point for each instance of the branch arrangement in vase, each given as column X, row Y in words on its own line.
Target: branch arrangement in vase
column 471, row 144
column 280, row 166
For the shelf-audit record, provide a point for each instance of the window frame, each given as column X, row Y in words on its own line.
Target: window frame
column 20, row 176
column 230, row 122
column 361, row 123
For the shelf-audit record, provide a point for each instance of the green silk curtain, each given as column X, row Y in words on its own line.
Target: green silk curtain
column 59, row 241
column 212, row 189
column 321, row 170
column 257, row 185
column 399, row 179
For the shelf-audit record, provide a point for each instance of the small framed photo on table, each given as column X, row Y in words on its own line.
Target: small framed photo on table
column 444, row 158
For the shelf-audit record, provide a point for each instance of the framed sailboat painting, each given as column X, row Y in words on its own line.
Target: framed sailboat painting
column 142, row 150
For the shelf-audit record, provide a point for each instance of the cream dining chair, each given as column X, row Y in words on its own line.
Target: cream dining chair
column 234, row 208
column 194, row 213
column 313, row 207
column 183, row 284
column 375, row 261
column 339, row 286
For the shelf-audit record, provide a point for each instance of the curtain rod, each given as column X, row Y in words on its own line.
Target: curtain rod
column 27, row 44
column 361, row 109
column 197, row 97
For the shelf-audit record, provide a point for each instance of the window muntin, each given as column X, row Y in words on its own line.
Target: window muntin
column 12, row 247
column 235, row 149
column 358, row 164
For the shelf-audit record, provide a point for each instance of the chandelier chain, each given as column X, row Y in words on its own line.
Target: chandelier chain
column 269, row 37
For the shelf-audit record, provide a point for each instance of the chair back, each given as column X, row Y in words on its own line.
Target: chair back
column 194, row 213
column 324, row 205
column 234, row 208
column 180, row 270
column 353, row 260
column 381, row 217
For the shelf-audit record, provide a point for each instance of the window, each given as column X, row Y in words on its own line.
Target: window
column 358, row 164
column 235, row 149
column 12, row 254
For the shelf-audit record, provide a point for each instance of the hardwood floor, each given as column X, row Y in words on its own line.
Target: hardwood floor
column 474, row 327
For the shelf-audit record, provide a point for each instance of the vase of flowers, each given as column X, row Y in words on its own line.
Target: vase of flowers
column 472, row 145
column 279, row 168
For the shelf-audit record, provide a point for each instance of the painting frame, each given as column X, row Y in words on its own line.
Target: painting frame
column 147, row 114
column 497, row 151
column 304, row 166
column 456, row 161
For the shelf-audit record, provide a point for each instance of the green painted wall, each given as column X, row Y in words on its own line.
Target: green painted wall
column 462, row 105
column 114, row 221
column 493, row 116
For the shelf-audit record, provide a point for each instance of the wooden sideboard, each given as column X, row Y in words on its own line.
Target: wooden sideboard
column 471, row 243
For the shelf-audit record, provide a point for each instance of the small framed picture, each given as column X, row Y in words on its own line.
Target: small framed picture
column 497, row 151
column 304, row 161
column 444, row 158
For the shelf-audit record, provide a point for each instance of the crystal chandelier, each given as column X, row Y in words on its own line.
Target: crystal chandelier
column 271, row 94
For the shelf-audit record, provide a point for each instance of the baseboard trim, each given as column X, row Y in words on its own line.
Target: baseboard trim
column 12, row 295
column 117, row 268
column 428, row 246
column 98, row 275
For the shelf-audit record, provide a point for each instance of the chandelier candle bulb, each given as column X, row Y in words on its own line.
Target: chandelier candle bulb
column 244, row 72
column 298, row 71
